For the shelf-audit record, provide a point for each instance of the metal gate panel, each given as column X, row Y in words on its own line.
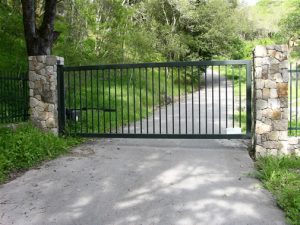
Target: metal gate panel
column 200, row 99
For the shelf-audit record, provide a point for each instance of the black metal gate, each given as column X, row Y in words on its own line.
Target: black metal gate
column 201, row 99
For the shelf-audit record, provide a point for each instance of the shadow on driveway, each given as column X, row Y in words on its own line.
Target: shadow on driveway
column 138, row 181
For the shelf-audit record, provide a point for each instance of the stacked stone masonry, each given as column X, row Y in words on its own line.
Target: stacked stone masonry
column 271, row 79
column 43, row 91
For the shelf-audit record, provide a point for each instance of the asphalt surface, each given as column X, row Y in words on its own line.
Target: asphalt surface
column 143, row 181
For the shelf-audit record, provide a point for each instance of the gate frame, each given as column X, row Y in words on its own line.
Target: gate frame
column 62, row 111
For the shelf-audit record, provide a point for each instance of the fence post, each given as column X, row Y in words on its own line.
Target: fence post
column 43, row 92
column 270, row 100
column 61, row 98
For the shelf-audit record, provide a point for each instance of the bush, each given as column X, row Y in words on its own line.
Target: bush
column 281, row 176
column 26, row 146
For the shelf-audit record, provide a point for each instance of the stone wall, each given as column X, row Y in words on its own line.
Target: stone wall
column 270, row 102
column 43, row 92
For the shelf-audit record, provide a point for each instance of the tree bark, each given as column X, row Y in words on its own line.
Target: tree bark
column 39, row 40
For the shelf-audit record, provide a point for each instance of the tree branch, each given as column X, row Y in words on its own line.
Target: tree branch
column 29, row 23
column 47, row 26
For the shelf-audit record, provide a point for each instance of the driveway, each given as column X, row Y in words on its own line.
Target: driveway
column 143, row 182
column 138, row 181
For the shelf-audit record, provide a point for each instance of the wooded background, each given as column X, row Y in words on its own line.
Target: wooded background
column 115, row 31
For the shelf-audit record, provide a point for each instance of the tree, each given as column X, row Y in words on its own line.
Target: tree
column 290, row 30
column 290, row 25
column 39, row 39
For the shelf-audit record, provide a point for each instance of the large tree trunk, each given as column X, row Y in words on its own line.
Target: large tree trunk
column 39, row 41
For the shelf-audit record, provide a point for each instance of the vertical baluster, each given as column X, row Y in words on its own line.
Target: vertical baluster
column 205, row 78
column 128, row 109
column 134, row 104
column 141, row 106
column 240, row 98
column 166, row 99
column 219, row 73
column 232, row 67
column 98, row 105
column 92, row 99
column 75, row 101
column 116, row 111
column 173, row 130
column 159, row 97
column 71, row 108
column 86, row 103
column 122, row 108
column 153, row 93
column 109, row 97
column 226, row 95
column 185, row 96
column 192, row 82
column 103, row 102
column 199, row 98
column 297, row 77
column 179, row 80
column 80, row 100
column 213, row 100
column 147, row 100
column 291, row 96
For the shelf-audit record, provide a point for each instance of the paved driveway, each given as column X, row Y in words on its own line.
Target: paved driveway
column 142, row 181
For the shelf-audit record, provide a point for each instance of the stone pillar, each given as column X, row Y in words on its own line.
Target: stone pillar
column 43, row 91
column 270, row 96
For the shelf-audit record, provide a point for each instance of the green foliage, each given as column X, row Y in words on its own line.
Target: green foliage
column 281, row 175
column 26, row 146
column 290, row 29
column 12, row 45
column 267, row 14
column 213, row 29
column 115, row 31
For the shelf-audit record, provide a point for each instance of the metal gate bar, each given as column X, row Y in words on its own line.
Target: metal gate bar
column 294, row 126
column 156, row 100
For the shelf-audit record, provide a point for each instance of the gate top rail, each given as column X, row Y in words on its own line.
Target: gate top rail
column 159, row 64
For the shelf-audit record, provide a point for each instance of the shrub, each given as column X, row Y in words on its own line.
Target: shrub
column 26, row 146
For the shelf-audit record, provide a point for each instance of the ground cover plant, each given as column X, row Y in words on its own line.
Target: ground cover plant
column 25, row 146
column 281, row 176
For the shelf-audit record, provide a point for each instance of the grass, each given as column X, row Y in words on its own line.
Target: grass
column 294, row 124
column 127, row 95
column 281, row 176
column 25, row 146
column 237, row 76
column 241, row 121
